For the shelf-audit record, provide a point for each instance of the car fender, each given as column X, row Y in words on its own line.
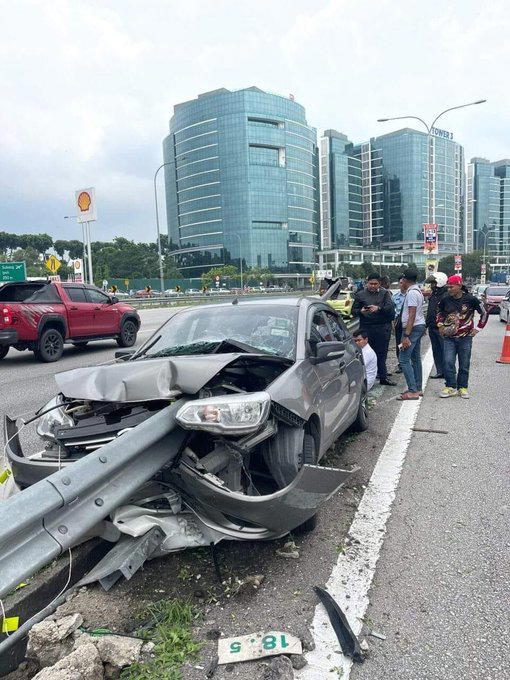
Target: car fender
column 52, row 316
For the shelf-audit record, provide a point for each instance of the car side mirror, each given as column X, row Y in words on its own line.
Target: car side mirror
column 124, row 354
column 113, row 299
column 327, row 351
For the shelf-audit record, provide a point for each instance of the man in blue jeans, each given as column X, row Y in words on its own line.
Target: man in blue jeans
column 413, row 328
column 455, row 320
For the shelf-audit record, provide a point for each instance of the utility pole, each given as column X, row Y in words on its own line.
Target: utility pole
column 160, row 254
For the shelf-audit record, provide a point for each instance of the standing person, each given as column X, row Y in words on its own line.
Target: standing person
column 455, row 321
column 438, row 290
column 398, row 301
column 374, row 307
column 369, row 357
column 385, row 282
column 413, row 327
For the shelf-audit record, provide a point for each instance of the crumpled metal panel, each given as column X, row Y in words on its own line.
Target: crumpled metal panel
column 279, row 512
column 146, row 380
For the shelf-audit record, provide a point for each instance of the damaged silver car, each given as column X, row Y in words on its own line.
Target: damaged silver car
column 265, row 388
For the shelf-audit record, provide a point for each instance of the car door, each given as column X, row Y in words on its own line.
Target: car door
column 80, row 315
column 105, row 313
column 353, row 365
column 333, row 397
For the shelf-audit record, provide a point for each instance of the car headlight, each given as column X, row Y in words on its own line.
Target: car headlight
column 231, row 414
column 52, row 420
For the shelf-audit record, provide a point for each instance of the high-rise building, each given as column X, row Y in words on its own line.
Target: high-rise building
column 405, row 179
column 242, row 181
column 488, row 206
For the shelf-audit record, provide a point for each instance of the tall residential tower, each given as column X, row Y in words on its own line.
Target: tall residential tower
column 242, row 182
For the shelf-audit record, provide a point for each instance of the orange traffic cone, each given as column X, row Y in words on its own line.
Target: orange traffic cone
column 505, row 352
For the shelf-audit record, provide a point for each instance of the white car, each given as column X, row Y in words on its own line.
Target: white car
column 504, row 309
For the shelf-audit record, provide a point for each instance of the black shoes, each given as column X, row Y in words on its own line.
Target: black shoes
column 436, row 377
column 387, row 382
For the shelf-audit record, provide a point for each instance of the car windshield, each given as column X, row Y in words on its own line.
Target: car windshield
column 266, row 328
column 497, row 291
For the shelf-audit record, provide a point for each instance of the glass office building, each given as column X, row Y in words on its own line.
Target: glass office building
column 242, row 181
column 488, row 206
column 382, row 192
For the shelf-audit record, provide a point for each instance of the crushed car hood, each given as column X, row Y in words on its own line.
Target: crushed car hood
column 149, row 379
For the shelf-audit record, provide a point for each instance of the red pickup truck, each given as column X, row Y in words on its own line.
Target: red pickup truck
column 42, row 315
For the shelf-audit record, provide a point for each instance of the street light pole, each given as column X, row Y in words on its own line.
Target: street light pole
column 431, row 210
column 240, row 261
column 160, row 255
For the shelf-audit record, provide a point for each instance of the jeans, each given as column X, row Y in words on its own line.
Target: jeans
column 379, row 340
column 410, row 360
column 453, row 348
column 436, row 342
column 398, row 338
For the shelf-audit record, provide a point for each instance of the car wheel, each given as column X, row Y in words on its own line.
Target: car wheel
column 81, row 344
column 50, row 346
column 128, row 331
column 3, row 350
column 361, row 422
column 308, row 457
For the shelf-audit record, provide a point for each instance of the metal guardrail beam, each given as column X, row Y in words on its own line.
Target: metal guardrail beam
column 57, row 512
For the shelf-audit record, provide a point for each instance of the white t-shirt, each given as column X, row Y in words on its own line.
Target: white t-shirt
column 413, row 298
column 370, row 361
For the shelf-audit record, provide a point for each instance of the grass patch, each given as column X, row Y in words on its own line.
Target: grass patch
column 170, row 623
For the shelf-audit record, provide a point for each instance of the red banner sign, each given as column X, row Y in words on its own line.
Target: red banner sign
column 430, row 244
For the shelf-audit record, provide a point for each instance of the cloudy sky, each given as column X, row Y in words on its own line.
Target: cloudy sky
column 88, row 86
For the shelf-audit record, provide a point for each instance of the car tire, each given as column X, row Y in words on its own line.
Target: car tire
column 361, row 422
column 4, row 350
column 128, row 332
column 81, row 344
column 308, row 457
column 50, row 346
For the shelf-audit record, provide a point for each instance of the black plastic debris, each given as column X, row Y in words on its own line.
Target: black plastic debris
column 348, row 641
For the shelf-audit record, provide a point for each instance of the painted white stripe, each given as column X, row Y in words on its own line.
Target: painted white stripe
column 353, row 573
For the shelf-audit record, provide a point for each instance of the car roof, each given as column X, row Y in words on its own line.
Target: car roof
column 263, row 301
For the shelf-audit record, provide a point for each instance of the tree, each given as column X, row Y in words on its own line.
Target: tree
column 258, row 274
column 226, row 271
column 471, row 265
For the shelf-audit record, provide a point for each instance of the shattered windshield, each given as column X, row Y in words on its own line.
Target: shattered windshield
column 270, row 329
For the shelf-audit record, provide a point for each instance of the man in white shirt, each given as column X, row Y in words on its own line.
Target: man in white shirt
column 369, row 356
column 413, row 328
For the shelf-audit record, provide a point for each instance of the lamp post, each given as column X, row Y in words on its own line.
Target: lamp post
column 431, row 215
column 240, row 261
column 485, row 234
column 160, row 256
column 69, row 217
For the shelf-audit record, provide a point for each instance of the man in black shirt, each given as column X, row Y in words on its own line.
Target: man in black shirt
column 375, row 309
column 438, row 290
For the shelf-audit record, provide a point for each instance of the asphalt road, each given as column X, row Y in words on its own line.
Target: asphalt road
column 27, row 384
column 440, row 593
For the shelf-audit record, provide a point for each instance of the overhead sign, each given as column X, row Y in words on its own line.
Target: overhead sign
column 457, row 265
column 430, row 243
column 12, row 271
column 442, row 133
column 86, row 205
column 324, row 273
column 53, row 264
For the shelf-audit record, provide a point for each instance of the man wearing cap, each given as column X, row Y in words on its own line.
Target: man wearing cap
column 455, row 321
column 413, row 328
column 437, row 283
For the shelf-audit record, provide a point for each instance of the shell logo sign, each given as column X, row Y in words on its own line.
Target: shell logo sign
column 86, row 205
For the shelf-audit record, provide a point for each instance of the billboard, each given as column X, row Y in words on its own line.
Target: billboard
column 430, row 243
column 86, row 205
column 457, row 263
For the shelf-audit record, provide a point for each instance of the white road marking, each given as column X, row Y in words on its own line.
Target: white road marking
column 353, row 573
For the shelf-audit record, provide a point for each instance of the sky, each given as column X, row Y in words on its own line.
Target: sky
column 88, row 86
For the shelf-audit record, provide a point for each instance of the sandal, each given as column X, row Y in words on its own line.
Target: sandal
column 406, row 396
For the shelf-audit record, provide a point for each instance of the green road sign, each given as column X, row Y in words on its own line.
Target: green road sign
column 12, row 271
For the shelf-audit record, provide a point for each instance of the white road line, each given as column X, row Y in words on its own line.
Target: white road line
column 353, row 573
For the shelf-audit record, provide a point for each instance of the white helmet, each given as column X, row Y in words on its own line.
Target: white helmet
column 441, row 279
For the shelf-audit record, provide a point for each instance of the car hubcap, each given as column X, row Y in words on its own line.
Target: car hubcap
column 52, row 344
column 128, row 332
